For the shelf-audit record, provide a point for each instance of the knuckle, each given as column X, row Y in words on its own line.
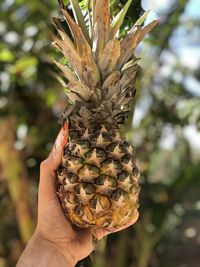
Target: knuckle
column 44, row 164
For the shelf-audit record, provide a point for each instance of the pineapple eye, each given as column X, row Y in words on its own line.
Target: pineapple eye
column 126, row 158
column 100, row 153
column 112, row 182
column 100, row 180
column 77, row 189
column 72, row 178
column 89, row 189
column 117, row 194
column 78, row 210
column 106, row 137
column 126, row 144
column 93, row 202
column 122, row 176
column 61, row 171
column 117, row 164
column 71, row 198
column 135, row 172
column 112, row 147
column 93, row 169
column 89, row 154
column 76, row 160
column 67, row 152
column 106, row 162
column 122, row 148
column 84, row 143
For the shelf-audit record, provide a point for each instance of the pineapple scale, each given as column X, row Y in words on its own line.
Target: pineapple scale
column 98, row 180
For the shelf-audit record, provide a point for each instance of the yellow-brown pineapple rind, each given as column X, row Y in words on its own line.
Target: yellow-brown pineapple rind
column 98, row 181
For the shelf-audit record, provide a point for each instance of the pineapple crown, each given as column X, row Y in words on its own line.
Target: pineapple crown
column 101, row 69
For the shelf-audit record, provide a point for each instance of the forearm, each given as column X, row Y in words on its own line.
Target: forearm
column 40, row 253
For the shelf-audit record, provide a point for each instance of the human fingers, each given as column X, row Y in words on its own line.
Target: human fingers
column 101, row 232
column 49, row 166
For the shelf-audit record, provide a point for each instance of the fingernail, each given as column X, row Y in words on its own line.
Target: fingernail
column 61, row 139
column 65, row 134
column 57, row 144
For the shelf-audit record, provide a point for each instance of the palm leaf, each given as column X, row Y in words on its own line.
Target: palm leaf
column 110, row 85
column 58, row 78
column 132, row 40
column 111, row 80
column 67, row 48
column 142, row 18
column 118, row 20
column 130, row 63
column 89, row 19
column 128, row 45
column 80, row 89
column 93, row 10
column 84, row 50
column 101, row 24
column 80, row 19
column 73, row 97
column 108, row 59
column 80, row 40
column 146, row 30
column 66, row 72
column 70, row 54
column 128, row 77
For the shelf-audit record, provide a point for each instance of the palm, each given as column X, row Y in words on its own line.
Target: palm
column 55, row 227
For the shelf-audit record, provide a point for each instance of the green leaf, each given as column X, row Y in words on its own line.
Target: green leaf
column 142, row 18
column 24, row 64
column 118, row 20
column 6, row 55
column 80, row 18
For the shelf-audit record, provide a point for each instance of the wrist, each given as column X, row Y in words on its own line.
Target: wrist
column 52, row 250
column 42, row 253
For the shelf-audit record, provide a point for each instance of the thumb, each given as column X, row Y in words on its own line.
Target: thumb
column 49, row 166
column 54, row 159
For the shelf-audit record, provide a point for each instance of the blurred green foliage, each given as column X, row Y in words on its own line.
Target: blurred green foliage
column 164, row 132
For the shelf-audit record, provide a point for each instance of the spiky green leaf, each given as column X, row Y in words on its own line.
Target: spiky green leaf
column 118, row 20
column 142, row 18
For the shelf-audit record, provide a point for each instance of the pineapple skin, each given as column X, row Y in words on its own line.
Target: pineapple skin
column 98, row 180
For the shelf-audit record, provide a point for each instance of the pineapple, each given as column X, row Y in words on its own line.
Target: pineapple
column 98, row 180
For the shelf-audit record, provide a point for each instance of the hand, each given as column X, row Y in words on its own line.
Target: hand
column 53, row 230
